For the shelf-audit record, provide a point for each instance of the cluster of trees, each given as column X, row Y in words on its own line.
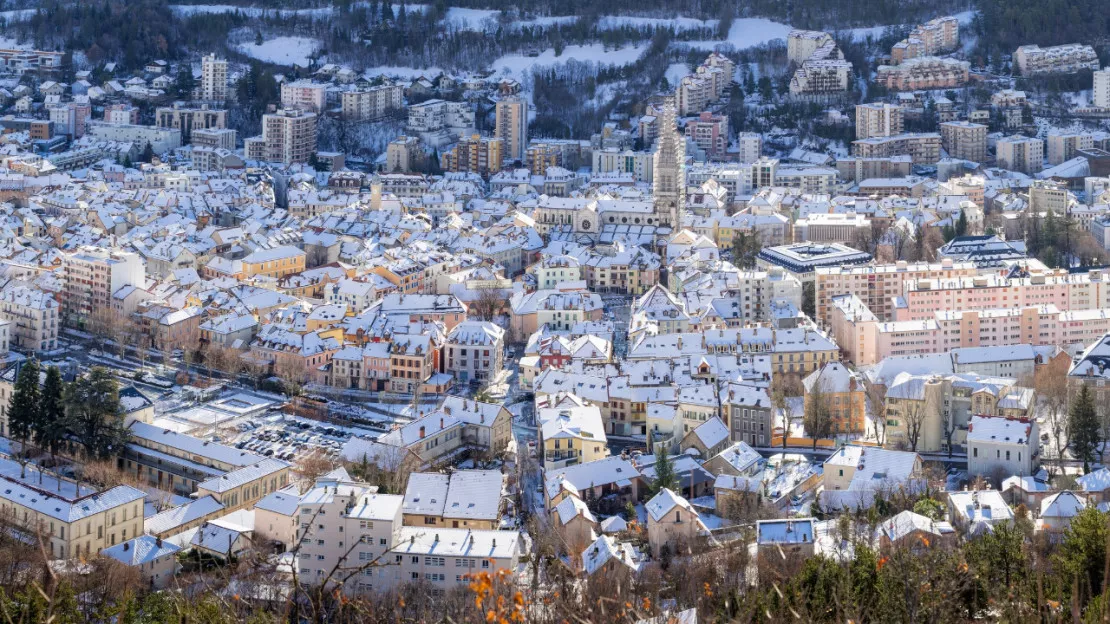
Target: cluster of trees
column 131, row 32
column 1004, row 25
column 50, row 413
column 1058, row 241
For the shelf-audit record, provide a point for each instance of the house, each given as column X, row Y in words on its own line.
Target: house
column 611, row 559
column 998, row 447
column 782, row 545
column 575, row 524
column 709, row 438
column 673, row 525
column 914, row 531
column 222, row 542
column 977, row 511
column 275, row 517
column 571, row 434
column 595, row 480
column 1096, row 485
column 155, row 559
column 1057, row 510
column 855, row 474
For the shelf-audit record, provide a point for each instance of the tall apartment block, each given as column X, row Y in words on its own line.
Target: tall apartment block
column 1063, row 146
column 186, row 119
column 512, row 126
column 878, row 120
column 288, row 136
column 1020, row 153
column 213, row 79
column 305, row 95
column 1101, row 97
column 964, row 140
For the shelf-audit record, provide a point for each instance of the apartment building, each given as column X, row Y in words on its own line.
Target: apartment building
column 965, row 140
column 371, row 104
column 34, row 318
column 878, row 284
column 1002, row 446
column 242, row 487
column 474, row 154
column 858, row 169
column 843, row 393
column 70, row 118
column 692, row 95
column 215, row 138
column 1020, row 153
column 878, row 120
column 70, row 519
column 121, row 114
column 161, row 140
column 475, row 351
column 438, row 122
column 710, row 133
column 822, row 77
column 304, row 95
column 213, row 79
column 464, row 499
column 274, row 262
column 1064, row 146
column 927, row 72
column 402, row 153
column 92, row 275
column 827, row 228
column 288, row 136
column 1101, row 86
column 937, row 36
column 637, row 166
column 571, row 433
column 922, row 148
column 446, row 558
column 751, row 146
column 1031, row 60
column 511, row 115
column 801, row 44
column 187, row 119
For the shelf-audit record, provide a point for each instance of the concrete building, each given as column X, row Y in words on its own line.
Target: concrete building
column 402, row 153
column 878, row 120
column 964, row 140
column 213, row 79
column 923, row 148
column 475, row 352
column 121, row 114
column 371, row 104
column 1063, row 146
column 710, row 133
column 161, row 140
column 156, row 560
column 34, row 318
column 928, row 72
column 288, row 136
column 751, row 146
column 512, row 126
column 474, row 154
column 215, row 138
column 1101, row 96
column 304, row 95
column 1003, row 447
column 187, row 119
column 801, row 44
column 1030, row 60
column 92, row 275
column 1020, row 153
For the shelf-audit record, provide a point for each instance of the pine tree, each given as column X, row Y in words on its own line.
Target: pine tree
column 665, row 476
column 49, row 427
column 94, row 414
column 23, row 410
column 1084, row 426
column 387, row 11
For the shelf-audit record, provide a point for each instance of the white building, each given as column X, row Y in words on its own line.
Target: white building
column 998, row 445
column 213, row 80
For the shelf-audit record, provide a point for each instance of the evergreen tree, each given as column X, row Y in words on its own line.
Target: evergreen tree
column 961, row 224
column 49, row 427
column 148, row 153
column 665, row 476
column 185, row 83
column 1084, row 426
column 1081, row 559
column 94, row 414
column 23, row 410
column 387, row 11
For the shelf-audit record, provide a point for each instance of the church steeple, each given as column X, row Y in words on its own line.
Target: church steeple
column 669, row 175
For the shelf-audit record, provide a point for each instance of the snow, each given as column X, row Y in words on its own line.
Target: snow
column 746, row 33
column 471, row 19
column 7, row 43
column 408, row 73
column 282, row 50
column 517, row 65
column 185, row 10
column 17, row 15
column 678, row 24
column 676, row 72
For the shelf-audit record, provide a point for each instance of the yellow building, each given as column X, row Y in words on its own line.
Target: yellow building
column 275, row 262
column 843, row 394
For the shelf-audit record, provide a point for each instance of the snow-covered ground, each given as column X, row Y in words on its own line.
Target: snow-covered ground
column 676, row 72
column 7, row 43
column 679, row 24
column 746, row 33
column 517, row 65
column 317, row 13
column 282, row 50
column 471, row 19
column 874, row 32
column 17, row 15
column 408, row 73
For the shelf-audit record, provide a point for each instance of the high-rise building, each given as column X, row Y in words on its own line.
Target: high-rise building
column 213, row 79
column 475, row 154
column 92, row 275
column 188, row 119
column 1019, row 153
column 401, row 154
column 1065, row 145
column 878, row 120
column 371, row 104
column 512, row 126
column 964, row 140
column 305, row 95
column 288, row 136
column 669, row 178
column 1101, row 97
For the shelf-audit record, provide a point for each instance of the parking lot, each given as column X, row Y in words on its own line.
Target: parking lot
column 287, row 437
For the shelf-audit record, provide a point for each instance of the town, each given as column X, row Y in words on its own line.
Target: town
column 810, row 325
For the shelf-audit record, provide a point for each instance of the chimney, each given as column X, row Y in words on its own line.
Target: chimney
column 421, row 432
column 126, row 546
column 441, row 422
column 158, row 542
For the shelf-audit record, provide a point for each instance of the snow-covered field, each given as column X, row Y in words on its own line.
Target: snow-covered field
column 281, row 50
column 17, row 15
column 676, row 71
column 317, row 13
column 471, row 19
column 746, row 33
column 517, row 65
column 679, row 24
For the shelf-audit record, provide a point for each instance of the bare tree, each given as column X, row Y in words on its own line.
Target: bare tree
column 782, row 390
column 489, row 304
column 818, row 417
column 1052, row 393
column 913, row 415
column 876, row 401
column 313, row 464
